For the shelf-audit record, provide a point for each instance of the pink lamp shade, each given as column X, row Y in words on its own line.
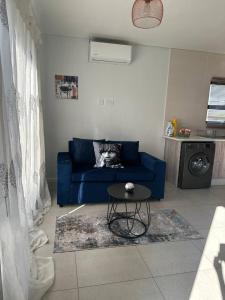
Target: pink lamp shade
column 147, row 13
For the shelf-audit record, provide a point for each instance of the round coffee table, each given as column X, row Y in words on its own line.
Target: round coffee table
column 128, row 224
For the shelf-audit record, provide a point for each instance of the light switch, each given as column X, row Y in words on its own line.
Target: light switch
column 101, row 101
column 110, row 100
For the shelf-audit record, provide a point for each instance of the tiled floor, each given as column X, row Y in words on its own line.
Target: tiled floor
column 161, row 271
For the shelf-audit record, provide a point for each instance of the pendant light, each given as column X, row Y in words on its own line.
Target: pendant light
column 147, row 13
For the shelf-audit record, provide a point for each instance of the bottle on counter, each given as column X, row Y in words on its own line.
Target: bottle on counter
column 169, row 129
column 174, row 124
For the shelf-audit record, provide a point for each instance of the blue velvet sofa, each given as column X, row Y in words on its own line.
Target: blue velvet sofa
column 79, row 182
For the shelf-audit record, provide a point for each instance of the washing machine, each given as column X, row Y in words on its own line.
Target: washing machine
column 196, row 165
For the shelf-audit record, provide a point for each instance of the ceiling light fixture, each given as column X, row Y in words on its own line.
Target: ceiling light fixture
column 147, row 13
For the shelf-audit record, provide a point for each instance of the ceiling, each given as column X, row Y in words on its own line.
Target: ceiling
column 187, row 24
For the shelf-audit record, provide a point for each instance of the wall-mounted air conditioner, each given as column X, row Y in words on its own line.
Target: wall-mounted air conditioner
column 110, row 53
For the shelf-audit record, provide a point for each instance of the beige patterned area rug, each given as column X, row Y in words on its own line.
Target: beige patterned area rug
column 79, row 232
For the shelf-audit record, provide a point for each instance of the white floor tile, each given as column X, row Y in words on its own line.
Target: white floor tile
column 204, row 232
column 62, row 295
column 144, row 289
column 65, row 271
column 109, row 265
column 219, row 192
column 200, row 244
column 173, row 258
column 198, row 216
column 176, row 287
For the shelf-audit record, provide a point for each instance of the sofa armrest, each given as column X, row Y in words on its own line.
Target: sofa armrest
column 64, row 165
column 64, row 176
column 158, row 167
column 150, row 162
column 64, row 158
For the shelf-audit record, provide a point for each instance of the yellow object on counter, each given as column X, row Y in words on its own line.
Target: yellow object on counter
column 174, row 123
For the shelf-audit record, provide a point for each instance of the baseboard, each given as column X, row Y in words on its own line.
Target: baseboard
column 218, row 182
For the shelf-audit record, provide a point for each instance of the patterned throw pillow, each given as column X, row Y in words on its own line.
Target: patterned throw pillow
column 107, row 155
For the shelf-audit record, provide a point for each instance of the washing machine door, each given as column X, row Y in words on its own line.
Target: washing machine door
column 199, row 164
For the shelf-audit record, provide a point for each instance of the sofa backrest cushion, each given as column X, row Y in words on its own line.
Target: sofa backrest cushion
column 83, row 151
column 129, row 152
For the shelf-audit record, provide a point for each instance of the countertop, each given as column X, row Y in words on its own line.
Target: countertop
column 194, row 139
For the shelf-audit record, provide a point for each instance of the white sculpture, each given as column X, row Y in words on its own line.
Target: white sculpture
column 129, row 187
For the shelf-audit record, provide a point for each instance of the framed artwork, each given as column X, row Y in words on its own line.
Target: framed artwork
column 66, row 87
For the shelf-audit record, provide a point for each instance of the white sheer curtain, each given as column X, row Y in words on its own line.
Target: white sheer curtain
column 23, row 53
column 24, row 195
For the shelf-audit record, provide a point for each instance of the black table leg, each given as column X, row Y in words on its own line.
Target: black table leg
column 130, row 218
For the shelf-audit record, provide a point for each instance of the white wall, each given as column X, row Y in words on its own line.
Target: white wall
column 139, row 91
column 188, row 86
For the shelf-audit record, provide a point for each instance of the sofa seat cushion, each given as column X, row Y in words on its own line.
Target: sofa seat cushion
column 134, row 173
column 94, row 175
column 99, row 175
